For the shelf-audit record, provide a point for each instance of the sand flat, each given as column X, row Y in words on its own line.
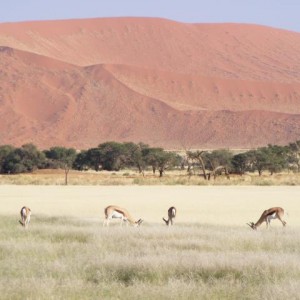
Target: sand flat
column 228, row 205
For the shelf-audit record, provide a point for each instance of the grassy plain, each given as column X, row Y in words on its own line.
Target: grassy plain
column 210, row 253
column 132, row 177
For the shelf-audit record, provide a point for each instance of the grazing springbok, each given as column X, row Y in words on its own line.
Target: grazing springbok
column 25, row 216
column 171, row 216
column 115, row 212
column 267, row 216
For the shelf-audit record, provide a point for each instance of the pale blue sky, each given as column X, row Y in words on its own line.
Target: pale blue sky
column 276, row 13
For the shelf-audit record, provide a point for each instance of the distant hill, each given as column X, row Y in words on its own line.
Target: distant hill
column 82, row 82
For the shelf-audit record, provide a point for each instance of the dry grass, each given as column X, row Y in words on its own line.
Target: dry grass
column 130, row 177
column 68, row 258
column 208, row 254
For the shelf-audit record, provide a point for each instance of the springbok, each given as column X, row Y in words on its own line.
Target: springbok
column 267, row 216
column 171, row 216
column 115, row 212
column 25, row 216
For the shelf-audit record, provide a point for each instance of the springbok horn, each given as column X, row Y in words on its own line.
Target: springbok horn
column 165, row 220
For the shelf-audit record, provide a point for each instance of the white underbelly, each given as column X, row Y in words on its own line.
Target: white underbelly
column 116, row 215
column 272, row 217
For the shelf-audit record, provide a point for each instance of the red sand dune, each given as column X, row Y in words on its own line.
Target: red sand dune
column 82, row 82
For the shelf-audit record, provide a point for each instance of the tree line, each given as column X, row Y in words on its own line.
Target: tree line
column 272, row 159
column 114, row 156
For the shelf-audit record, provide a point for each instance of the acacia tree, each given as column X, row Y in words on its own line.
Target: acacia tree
column 134, row 154
column 113, row 155
column 294, row 154
column 198, row 156
column 258, row 160
column 81, row 162
column 159, row 159
column 150, row 157
column 240, row 163
column 272, row 158
column 219, row 161
column 5, row 150
column 164, row 161
column 94, row 158
column 21, row 160
column 32, row 158
column 65, row 158
column 277, row 158
column 216, row 158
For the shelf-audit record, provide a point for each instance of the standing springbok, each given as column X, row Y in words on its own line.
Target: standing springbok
column 171, row 216
column 115, row 212
column 267, row 216
column 25, row 216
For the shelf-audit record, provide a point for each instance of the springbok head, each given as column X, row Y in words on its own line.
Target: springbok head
column 252, row 225
column 138, row 223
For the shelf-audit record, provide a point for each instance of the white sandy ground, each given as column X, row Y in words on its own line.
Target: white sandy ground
column 228, row 205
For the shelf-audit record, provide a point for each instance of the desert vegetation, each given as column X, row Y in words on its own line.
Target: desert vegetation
column 130, row 163
column 132, row 177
